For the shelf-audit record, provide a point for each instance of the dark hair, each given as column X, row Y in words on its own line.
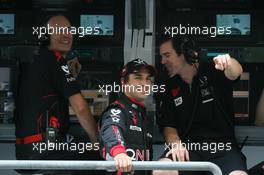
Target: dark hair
column 182, row 45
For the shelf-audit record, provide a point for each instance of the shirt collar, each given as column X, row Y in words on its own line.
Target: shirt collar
column 132, row 101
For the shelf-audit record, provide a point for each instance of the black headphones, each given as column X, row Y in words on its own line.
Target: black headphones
column 44, row 39
column 188, row 49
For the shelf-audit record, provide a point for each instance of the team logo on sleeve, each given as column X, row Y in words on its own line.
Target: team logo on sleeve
column 65, row 69
column 115, row 115
column 67, row 72
column 115, row 119
column 115, row 112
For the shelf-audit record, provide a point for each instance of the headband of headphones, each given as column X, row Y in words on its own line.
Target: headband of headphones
column 183, row 45
column 188, row 49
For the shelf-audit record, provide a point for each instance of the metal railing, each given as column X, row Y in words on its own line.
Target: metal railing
column 108, row 165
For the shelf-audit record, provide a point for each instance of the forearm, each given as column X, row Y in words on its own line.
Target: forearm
column 83, row 113
column 88, row 123
column 171, row 135
column 233, row 69
column 113, row 139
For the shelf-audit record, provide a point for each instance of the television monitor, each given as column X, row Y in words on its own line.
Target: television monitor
column 98, row 24
column 7, row 24
column 238, row 24
column 4, row 75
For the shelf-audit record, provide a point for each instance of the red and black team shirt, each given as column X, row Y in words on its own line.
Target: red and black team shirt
column 45, row 85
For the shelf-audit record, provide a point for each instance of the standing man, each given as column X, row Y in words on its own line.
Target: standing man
column 46, row 90
column 124, row 125
column 197, row 110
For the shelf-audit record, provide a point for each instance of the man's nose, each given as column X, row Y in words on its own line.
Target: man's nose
column 67, row 34
column 145, row 82
column 163, row 60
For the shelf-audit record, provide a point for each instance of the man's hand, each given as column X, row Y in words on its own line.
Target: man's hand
column 231, row 67
column 178, row 152
column 123, row 162
column 222, row 62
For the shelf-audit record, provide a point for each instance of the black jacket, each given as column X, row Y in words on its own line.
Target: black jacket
column 183, row 105
column 46, row 85
column 124, row 128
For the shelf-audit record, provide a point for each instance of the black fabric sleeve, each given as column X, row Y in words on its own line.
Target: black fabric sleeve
column 221, row 77
column 112, row 128
column 62, row 79
column 167, row 117
column 224, row 94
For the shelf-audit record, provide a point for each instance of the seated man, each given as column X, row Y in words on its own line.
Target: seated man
column 124, row 125
column 197, row 110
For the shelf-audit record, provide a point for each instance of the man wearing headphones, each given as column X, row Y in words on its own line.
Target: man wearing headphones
column 46, row 89
column 196, row 111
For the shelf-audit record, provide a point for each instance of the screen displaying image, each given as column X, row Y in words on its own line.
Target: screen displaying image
column 7, row 24
column 98, row 24
column 239, row 24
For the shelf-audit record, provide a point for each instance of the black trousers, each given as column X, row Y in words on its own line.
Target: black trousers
column 227, row 161
column 257, row 170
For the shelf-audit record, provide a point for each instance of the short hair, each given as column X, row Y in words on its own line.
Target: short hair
column 182, row 45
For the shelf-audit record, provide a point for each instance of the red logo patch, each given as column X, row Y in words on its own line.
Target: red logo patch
column 54, row 122
column 57, row 55
column 134, row 118
column 175, row 91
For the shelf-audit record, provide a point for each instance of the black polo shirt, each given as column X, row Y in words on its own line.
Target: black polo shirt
column 46, row 84
column 200, row 111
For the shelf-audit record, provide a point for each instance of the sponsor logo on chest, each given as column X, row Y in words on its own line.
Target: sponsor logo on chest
column 135, row 128
column 178, row 101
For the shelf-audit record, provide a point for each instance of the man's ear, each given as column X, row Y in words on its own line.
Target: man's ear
column 122, row 81
column 196, row 54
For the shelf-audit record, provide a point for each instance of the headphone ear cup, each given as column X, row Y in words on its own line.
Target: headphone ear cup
column 188, row 49
column 44, row 40
column 191, row 56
